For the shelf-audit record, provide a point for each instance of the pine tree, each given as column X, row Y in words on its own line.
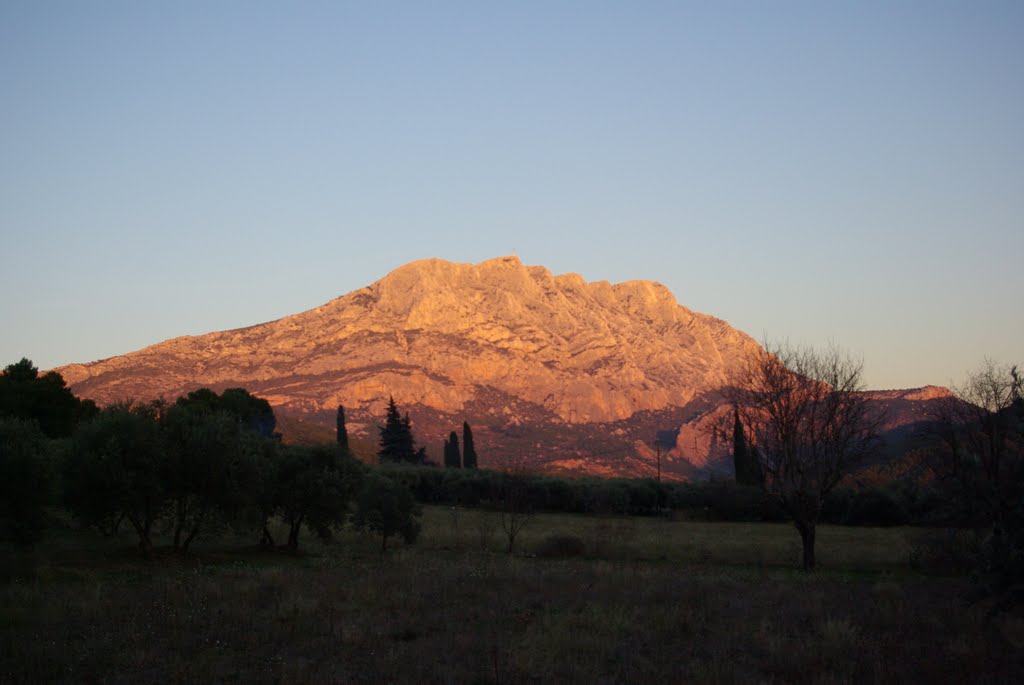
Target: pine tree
column 452, row 457
column 468, row 450
column 396, row 440
column 342, row 431
column 391, row 435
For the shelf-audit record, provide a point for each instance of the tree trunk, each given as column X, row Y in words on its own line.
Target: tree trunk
column 806, row 529
column 179, row 524
column 293, row 533
column 267, row 540
column 195, row 530
column 145, row 546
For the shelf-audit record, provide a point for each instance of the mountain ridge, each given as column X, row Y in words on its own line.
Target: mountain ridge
column 594, row 369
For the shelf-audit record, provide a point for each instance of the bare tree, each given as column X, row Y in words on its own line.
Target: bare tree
column 810, row 424
column 514, row 506
column 982, row 459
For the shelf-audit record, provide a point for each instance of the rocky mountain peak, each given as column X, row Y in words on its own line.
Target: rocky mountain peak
column 540, row 364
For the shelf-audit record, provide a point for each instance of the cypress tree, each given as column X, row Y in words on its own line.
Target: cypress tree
column 744, row 456
column 739, row 447
column 342, row 431
column 452, row 458
column 468, row 450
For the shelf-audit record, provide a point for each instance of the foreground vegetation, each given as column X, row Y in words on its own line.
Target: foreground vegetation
column 585, row 599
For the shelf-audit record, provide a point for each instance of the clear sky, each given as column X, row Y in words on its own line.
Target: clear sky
column 818, row 171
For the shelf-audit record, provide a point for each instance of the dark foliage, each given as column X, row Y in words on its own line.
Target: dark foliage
column 469, row 459
column 253, row 414
column 24, row 394
column 313, row 487
column 341, row 430
column 116, row 470
column 452, row 457
column 747, row 467
column 397, row 444
column 25, row 481
column 386, row 507
column 981, row 468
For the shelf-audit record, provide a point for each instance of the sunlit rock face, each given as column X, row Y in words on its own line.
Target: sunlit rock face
column 550, row 369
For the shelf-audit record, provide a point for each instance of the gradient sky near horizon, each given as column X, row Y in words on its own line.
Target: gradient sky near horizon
column 841, row 171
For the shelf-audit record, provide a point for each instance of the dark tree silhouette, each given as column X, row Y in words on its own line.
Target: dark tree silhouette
column 811, row 424
column 748, row 470
column 45, row 399
column 387, row 507
column 342, row 431
column 468, row 449
column 25, row 481
column 117, row 468
column 314, row 488
column 452, row 457
column 396, row 439
column 253, row 414
column 205, row 468
column 981, row 463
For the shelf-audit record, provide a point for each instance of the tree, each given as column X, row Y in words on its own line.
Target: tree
column 387, row 507
column 452, row 458
column 315, row 486
column 206, row 471
column 254, row 414
column 342, row 431
column 811, row 424
column 396, row 440
column 514, row 507
column 46, row 399
column 115, row 469
column 468, row 450
column 748, row 470
column 25, row 481
column 981, row 463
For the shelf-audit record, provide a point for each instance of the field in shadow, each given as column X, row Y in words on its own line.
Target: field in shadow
column 582, row 600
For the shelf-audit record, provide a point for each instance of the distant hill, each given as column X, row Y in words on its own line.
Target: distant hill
column 553, row 373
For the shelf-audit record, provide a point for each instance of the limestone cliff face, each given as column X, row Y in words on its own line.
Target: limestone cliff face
column 440, row 335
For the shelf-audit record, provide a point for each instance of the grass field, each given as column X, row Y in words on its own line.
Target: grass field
column 581, row 600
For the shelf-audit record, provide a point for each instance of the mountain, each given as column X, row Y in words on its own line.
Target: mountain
column 551, row 371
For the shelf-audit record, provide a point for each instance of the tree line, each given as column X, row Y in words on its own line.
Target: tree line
column 800, row 423
column 180, row 469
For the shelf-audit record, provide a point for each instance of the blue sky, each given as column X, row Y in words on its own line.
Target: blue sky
column 849, row 172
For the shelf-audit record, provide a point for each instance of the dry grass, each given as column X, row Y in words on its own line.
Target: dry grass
column 647, row 601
